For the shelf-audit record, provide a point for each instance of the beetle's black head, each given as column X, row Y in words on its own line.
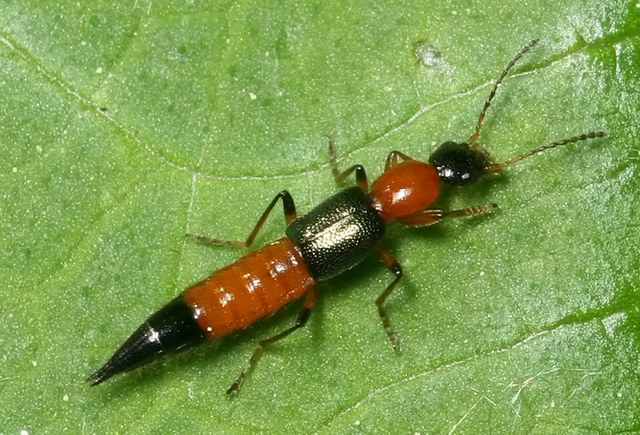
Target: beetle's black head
column 458, row 164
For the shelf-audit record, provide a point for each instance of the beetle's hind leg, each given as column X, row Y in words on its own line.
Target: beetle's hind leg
column 289, row 214
column 303, row 316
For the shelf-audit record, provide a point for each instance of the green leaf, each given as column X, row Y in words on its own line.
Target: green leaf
column 125, row 125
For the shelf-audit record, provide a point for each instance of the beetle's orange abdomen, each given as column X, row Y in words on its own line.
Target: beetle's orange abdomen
column 404, row 189
column 256, row 285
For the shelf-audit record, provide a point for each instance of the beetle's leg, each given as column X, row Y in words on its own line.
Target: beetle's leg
column 289, row 215
column 389, row 260
column 394, row 158
column 303, row 316
column 361, row 175
column 431, row 217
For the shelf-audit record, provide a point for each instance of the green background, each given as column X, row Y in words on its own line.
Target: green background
column 124, row 125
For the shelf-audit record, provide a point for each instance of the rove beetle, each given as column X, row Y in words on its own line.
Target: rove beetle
column 330, row 239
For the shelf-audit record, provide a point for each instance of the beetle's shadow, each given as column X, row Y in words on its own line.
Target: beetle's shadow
column 470, row 196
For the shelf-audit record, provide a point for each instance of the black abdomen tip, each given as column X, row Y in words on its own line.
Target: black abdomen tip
column 170, row 330
column 108, row 370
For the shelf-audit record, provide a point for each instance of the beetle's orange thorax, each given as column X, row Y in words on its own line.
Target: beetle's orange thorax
column 404, row 189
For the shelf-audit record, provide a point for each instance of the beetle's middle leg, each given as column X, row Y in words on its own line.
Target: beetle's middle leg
column 390, row 261
column 361, row 175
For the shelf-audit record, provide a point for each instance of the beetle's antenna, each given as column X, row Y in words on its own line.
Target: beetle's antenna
column 496, row 167
column 526, row 48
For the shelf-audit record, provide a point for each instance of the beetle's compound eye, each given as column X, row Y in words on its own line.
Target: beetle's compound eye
column 458, row 164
